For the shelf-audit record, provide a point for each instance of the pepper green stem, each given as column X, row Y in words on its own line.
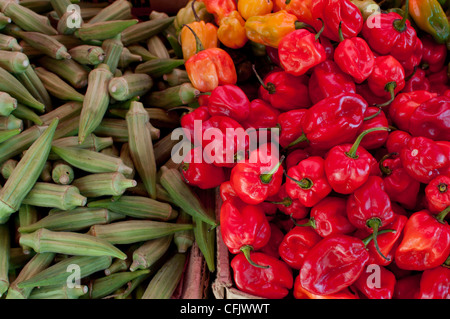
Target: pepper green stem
column 386, row 170
column 373, row 115
column 440, row 217
column 341, row 35
column 287, row 2
column 266, row 178
column 318, row 34
column 246, row 251
column 375, row 224
column 303, row 25
column 270, row 87
column 304, row 183
column 354, row 148
column 369, row 238
column 390, row 88
column 197, row 18
column 310, row 223
column 442, row 187
column 400, row 25
column 287, row 201
column 302, row 138
column 447, row 262
column 198, row 42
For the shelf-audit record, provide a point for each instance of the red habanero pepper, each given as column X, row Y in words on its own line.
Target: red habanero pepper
column 417, row 82
column 299, row 51
column 397, row 140
column 354, row 57
column 197, row 172
column 327, row 79
column 364, row 90
column 424, row 159
column 382, row 287
column 296, row 156
column 290, row 124
column 258, row 177
column 229, row 100
column 426, row 241
column 188, row 123
column 434, row 54
column 435, row 283
column 244, row 227
column 412, row 62
column 387, row 78
column 276, row 237
column 333, row 121
column 437, row 193
column 404, row 105
column 220, row 8
column 374, row 117
column 333, row 264
column 285, row 91
column 348, row 166
column 287, row 205
column 328, row 46
column 432, row 119
column 369, row 208
column 296, row 244
column 307, row 181
column 408, row 287
column 273, row 282
column 302, row 293
column 226, row 191
column 439, row 81
column 445, row 147
column 262, row 115
column 300, row 8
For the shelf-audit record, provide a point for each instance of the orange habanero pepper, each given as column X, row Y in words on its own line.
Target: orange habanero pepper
column 231, row 31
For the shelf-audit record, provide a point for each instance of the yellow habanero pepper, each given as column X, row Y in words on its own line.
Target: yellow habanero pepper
column 231, row 32
column 269, row 29
column 251, row 8
column 207, row 33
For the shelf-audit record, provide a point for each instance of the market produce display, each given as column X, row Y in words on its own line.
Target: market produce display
column 322, row 129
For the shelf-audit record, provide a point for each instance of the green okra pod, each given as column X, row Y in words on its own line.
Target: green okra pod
column 91, row 161
column 24, row 113
column 26, row 173
column 88, row 54
column 103, row 30
column 165, row 281
column 96, row 101
column 27, row 215
column 64, row 112
column 69, row 243
column 34, row 85
column 73, row 220
column 171, row 97
column 8, row 167
column 138, row 49
column 62, row 272
column 69, row 70
column 158, row 67
column 125, row 293
column 62, row 173
column 103, row 184
column 134, row 231
column 185, row 239
column 113, row 50
column 137, row 207
column 6, row 135
column 127, row 58
column 176, row 77
column 10, row 122
column 141, row 146
column 60, row 6
column 46, row 174
column 9, row 43
column 150, row 252
column 129, row 86
column 118, row 10
column 127, row 160
column 92, row 142
column 5, row 245
column 13, row 61
column 57, row 87
column 59, row 292
column 118, row 265
column 13, row 87
column 4, row 20
column 18, row 258
column 144, row 30
column 157, row 47
column 117, row 129
column 66, row 197
column 46, row 44
column 19, row 143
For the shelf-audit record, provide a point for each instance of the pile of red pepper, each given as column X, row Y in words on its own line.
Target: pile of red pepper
column 355, row 204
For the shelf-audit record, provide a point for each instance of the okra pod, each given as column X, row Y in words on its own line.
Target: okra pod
column 91, row 161
column 66, row 197
column 66, row 23
column 18, row 258
column 125, row 293
column 10, row 122
column 6, row 135
column 57, row 87
column 103, row 30
column 129, row 86
column 184, row 239
column 111, row 151
column 26, row 173
column 7, row 104
column 62, row 173
column 137, row 207
column 187, row 15
column 8, row 167
column 141, row 146
column 35, row 86
column 118, row 265
column 103, row 184
column 125, row 156
column 127, row 58
column 113, row 50
column 69, row 243
column 157, row 47
column 5, row 245
column 115, row 128
column 62, row 271
column 68, row 41
column 176, row 77
column 19, row 143
column 134, row 231
column 88, row 54
column 64, row 112
column 184, row 196
column 46, row 44
column 60, row 6
column 38, row 263
column 69, row 70
column 27, row 215
column 24, row 113
column 46, row 174
column 9, row 43
column 92, row 142
column 144, row 30
column 150, row 252
column 163, row 149
column 165, row 281
column 67, row 128
column 142, row 52
column 174, row 96
column 118, row 10
column 73, row 220
column 158, row 67
column 4, row 20
column 59, row 292
column 13, row 87
column 96, row 101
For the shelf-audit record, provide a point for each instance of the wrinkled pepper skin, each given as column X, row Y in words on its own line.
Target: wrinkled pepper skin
column 220, row 8
column 273, row 282
column 261, row 115
column 231, row 32
column 387, row 78
column 435, row 283
column 374, row 117
column 433, row 55
column 287, row 205
column 387, row 284
column 251, row 8
column 302, row 293
column 229, row 100
column 430, row 17
column 290, row 124
column 397, row 140
column 333, row 264
column 300, row 8
column 206, row 32
column 200, row 114
column 437, row 193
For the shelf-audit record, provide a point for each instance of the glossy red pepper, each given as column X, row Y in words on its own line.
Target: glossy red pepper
column 376, row 282
column 396, row 140
column 333, row 264
column 302, row 293
column 424, row 159
column 432, row 119
column 435, row 283
column 434, row 54
column 276, row 237
column 412, row 62
column 327, row 79
column 417, row 82
column 372, row 99
column 387, row 78
column 229, row 100
column 348, row 166
column 290, row 124
column 439, row 82
column 273, row 282
column 258, row 177
column 438, row 194
column 408, row 287
column 374, row 117
column 369, row 208
column 199, row 114
column 262, row 115
column 296, row 244
column 307, row 181
column 299, row 51
column 333, row 121
column 296, row 156
column 226, row 191
column 425, row 243
column 285, row 91
column 287, row 205
column 197, row 172
column 243, row 227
